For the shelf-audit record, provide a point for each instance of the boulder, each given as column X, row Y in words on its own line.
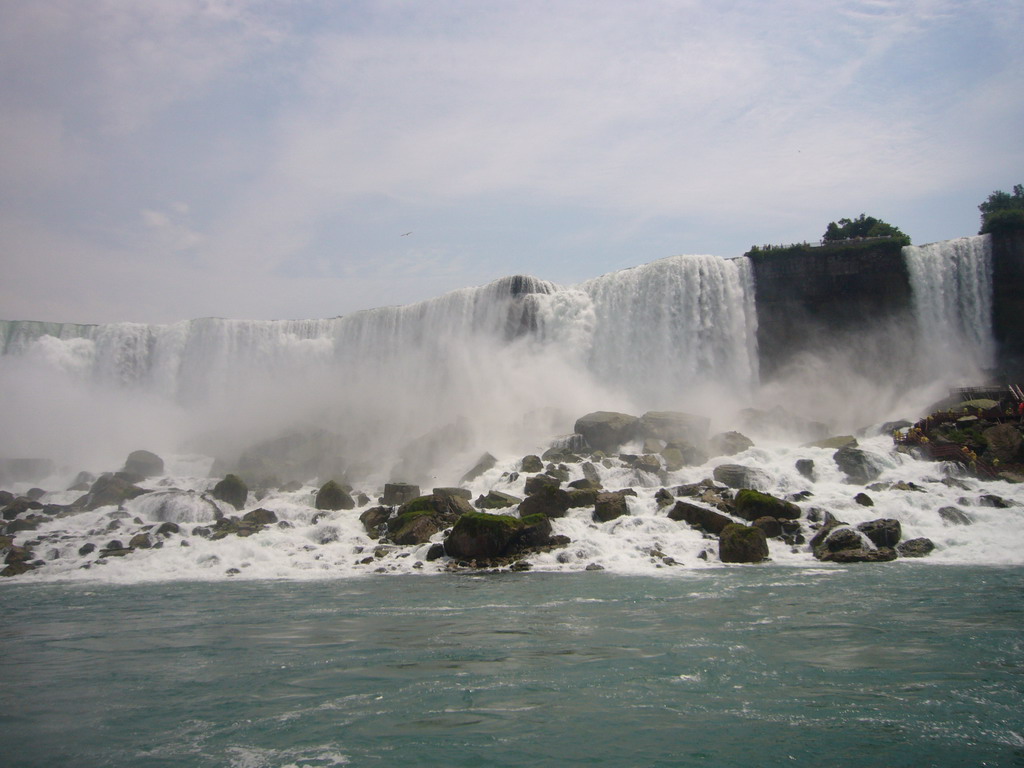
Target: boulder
column 609, row 506
column 881, row 555
column 837, row 441
column 729, row 444
column 538, row 483
column 396, row 494
column 806, row 468
column 496, row 500
column 1003, row 442
column 857, row 465
column 742, row 544
column 550, row 501
column 144, row 464
column 417, row 520
column 480, row 536
column 140, row 541
column 738, row 476
column 231, row 490
column 954, row 516
column 531, row 464
column 750, row 505
column 607, row 430
column 647, row 463
column 483, row 464
column 707, row 520
column 883, row 533
column 591, row 473
column 372, row 520
column 864, row 500
column 770, row 525
column 109, row 489
column 582, row 497
column 672, row 426
column 332, row 496
column 460, row 493
column 260, row 517
column 916, row 547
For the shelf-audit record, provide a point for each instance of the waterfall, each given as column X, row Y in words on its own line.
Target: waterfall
column 471, row 366
column 951, row 282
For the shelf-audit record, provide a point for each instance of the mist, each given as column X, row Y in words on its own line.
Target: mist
column 418, row 393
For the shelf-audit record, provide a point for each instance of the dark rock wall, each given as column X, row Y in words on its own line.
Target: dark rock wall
column 829, row 297
column 1008, row 303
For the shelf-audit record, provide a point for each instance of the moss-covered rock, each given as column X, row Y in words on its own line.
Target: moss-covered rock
column 332, row 496
column 496, row 500
column 742, row 544
column 751, row 504
column 480, row 536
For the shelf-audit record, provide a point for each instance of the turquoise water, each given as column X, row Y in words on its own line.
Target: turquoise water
column 896, row 665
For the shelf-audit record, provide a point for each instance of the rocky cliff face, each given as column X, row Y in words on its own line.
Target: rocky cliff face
column 832, row 296
column 1008, row 303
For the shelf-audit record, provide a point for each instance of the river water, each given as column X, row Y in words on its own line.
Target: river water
column 899, row 664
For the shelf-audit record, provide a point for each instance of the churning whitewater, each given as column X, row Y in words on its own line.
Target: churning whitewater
column 456, row 393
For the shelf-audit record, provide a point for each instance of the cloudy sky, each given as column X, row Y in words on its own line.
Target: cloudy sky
column 168, row 159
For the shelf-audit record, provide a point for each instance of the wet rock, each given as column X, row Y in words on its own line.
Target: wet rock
column 609, row 506
column 864, row 500
column 496, row 500
column 770, row 525
column 881, row 555
column 451, row 492
column 992, row 500
column 857, row 465
column 647, row 463
column 538, row 483
column 1003, row 442
column 168, row 529
column 582, row 497
column 843, row 537
column 140, row 541
column 396, row 494
column 707, row 520
column 729, row 444
column 372, row 520
column 86, row 549
column 954, row 516
column 418, row 520
column 484, row 464
column 144, row 464
column 260, row 517
column 480, row 536
column 663, row 498
column 750, row 505
column 738, row 476
column 550, row 501
column 435, row 552
column 231, row 490
column 531, row 464
column 35, row 494
column 594, row 567
column 109, row 489
column 591, row 473
column 916, row 547
column 607, row 430
column 838, row 441
column 883, row 532
column 332, row 496
column 742, row 544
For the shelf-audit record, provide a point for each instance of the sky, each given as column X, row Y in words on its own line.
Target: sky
column 170, row 159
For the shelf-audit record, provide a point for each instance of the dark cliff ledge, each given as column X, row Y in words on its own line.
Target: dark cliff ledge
column 1008, row 302
column 811, row 298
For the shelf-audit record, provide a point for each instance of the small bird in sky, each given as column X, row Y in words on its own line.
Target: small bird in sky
column 405, row 234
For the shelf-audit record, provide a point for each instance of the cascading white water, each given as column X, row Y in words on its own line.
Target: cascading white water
column 479, row 359
column 951, row 283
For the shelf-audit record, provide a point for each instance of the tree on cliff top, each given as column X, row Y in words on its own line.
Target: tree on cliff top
column 1003, row 211
column 861, row 227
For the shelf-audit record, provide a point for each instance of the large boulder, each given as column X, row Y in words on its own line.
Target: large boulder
column 399, row 493
column 372, row 520
column 484, row 464
column 609, row 506
column 729, row 443
column 674, row 426
column 1004, row 443
column 418, row 520
column 742, row 544
column 496, row 500
column 233, row 490
column 549, row 501
column 738, row 476
column 751, row 504
column 883, row 533
column 144, row 464
column 858, row 465
column 916, row 547
column 607, row 430
column 332, row 496
column 531, row 463
column 109, row 489
column 707, row 520
column 480, row 536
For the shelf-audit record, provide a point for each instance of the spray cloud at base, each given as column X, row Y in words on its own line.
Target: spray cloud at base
column 418, row 392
